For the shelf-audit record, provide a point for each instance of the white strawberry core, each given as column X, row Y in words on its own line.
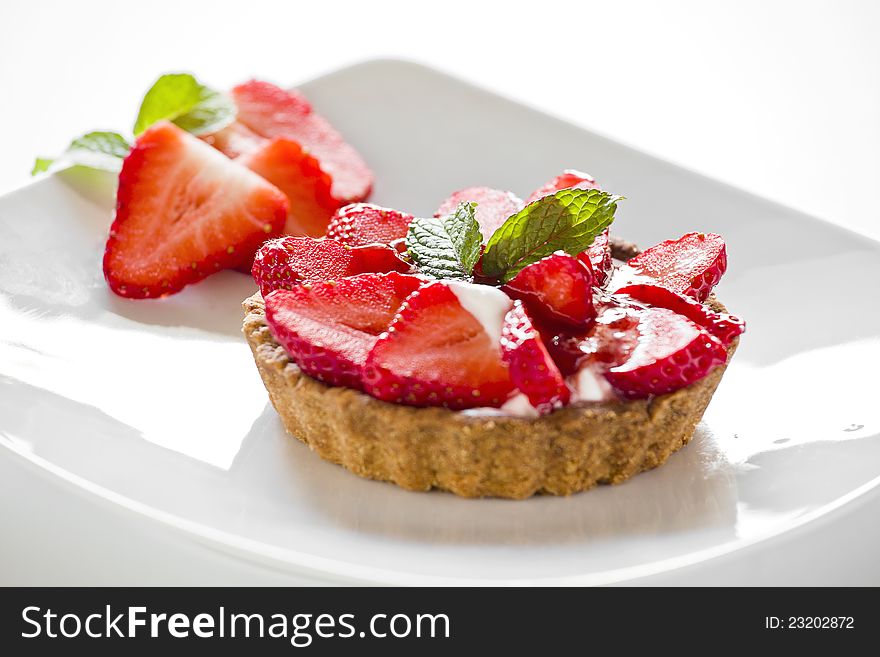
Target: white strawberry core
column 487, row 304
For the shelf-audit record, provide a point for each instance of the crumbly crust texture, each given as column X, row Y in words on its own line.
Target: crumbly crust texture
column 570, row 450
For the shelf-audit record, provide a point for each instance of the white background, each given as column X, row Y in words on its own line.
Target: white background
column 779, row 98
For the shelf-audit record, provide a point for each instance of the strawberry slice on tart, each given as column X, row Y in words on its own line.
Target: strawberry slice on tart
column 723, row 326
column 557, row 289
column 286, row 262
column 532, row 369
column 494, row 206
column 670, row 352
column 183, row 212
column 328, row 328
column 359, row 224
column 691, row 265
column 443, row 349
column 568, row 179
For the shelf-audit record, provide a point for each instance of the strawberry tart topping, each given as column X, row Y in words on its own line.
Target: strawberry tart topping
column 541, row 330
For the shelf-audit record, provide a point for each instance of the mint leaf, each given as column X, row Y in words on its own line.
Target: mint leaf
column 180, row 98
column 448, row 247
column 96, row 150
column 568, row 220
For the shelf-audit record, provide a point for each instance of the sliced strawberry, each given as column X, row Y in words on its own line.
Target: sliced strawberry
column 437, row 353
column 531, row 368
column 598, row 255
column 557, row 288
column 566, row 180
column 286, row 262
column 329, row 328
column 364, row 223
column 691, row 265
column 723, row 326
column 235, row 140
column 494, row 206
column 183, row 212
column 296, row 173
column 269, row 111
column 671, row 352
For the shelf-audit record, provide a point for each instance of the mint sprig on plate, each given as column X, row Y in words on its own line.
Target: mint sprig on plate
column 568, row 220
column 96, row 150
column 446, row 247
column 176, row 97
column 181, row 99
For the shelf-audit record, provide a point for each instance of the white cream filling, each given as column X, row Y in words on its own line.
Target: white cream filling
column 487, row 304
column 589, row 385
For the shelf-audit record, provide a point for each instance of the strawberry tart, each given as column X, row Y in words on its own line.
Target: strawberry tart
column 499, row 348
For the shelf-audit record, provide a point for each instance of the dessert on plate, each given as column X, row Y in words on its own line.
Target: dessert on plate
column 502, row 350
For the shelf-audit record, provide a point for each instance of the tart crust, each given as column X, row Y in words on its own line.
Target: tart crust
column 567, row 451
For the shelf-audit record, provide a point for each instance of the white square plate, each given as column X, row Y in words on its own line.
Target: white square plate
column 157, row 406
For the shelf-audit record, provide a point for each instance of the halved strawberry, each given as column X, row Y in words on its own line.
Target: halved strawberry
column 566, row 180
column 494, row 206
column 670, row 352
column 286, row 262
column 437, row 353
column 183, row 212
column 329, row 328
column 364, row 223
column 269, row 111
column 723, row 326
column 598, row 255
column 531, row 368
column 691, row 265
column 296, row 173
column 557, row 289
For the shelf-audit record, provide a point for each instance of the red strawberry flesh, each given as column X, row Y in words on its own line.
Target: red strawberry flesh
column 359, row 224
column 286, row 262
column 296, row 173
column 270, row 111
column 183, row 212
column 329, row 328
column 671, row 352
column 494, row 207
column 436, row 353
column 723, row 326
column 570, row 178
column 556, row 289
column 598, row 256
column 531, row 369
column 691, row 265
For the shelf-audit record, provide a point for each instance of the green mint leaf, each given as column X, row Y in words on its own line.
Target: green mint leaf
column 180, row 98
column 96, row 150
column 568, row 220
column 448, row 247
